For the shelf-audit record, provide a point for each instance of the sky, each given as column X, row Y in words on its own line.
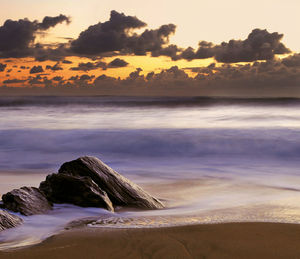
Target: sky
column 150, row 47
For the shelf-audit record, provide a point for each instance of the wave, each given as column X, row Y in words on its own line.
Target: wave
column 48, row 148
column 22, row 101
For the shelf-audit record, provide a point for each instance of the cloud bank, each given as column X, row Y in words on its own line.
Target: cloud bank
column 118, row 36
column 272, row 78
column 264, row 74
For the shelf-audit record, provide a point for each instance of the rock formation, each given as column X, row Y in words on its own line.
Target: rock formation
column 27, row 201
column 120, row 190
column 8, row 220
column 77, row 190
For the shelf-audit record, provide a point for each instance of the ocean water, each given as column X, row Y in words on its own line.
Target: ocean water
column 209, row 159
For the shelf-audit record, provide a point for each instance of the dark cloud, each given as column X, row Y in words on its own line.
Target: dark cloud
column 53, row 53
column 13, row 81
column 259, row 45
column 49, row 22
column 150, row 40
column 117, row 62
column 89, row 66
column 271, row 78
column 58, row 78
column 56, row 67
column 136, row 74
column 2, row 67
column 117, row 35
column 105, row 78
column 86, row 77
column 67, row 62
column 17, row 37
column 36, row 69
column 205, row 50
column 108, row 36
column 171, row 51
column 292, row 61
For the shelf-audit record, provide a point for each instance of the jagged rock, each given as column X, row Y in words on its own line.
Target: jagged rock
column 8, row 220
column 27, row 201
column 77, row 190
column 119, row 189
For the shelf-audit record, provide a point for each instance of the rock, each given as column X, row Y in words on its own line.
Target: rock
column 77, row 223
column 27, row 201
column 8, row 220
column 119, row 189
column 77, row 190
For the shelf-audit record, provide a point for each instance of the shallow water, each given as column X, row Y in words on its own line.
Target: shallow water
column 210, row 160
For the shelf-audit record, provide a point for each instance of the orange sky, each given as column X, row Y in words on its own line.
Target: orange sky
column 195, row 20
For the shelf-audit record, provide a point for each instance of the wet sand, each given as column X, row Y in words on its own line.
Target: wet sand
column 230, row 240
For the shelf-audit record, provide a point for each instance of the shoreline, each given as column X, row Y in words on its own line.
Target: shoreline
column 223, row 240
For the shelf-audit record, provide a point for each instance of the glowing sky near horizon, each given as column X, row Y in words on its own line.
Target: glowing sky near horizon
column 237, row 36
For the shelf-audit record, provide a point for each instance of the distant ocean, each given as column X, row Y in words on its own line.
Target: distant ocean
column 210, row 159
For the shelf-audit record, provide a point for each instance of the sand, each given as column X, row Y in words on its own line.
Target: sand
column 231, row 240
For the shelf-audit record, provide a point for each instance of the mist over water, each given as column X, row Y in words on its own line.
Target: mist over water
column 210, row 160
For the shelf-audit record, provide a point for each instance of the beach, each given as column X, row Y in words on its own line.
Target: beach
column 130, row 130
column 216, row 164
column 232, row 240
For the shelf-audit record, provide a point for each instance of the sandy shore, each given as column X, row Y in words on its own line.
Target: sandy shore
column 232, row 240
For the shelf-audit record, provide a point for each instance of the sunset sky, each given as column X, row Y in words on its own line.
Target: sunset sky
column 150, row 47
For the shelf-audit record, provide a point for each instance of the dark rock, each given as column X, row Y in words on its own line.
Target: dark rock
column 8, row 220
column 77, row 223
column 119, row 189
column 27, row 201
column 77, row 190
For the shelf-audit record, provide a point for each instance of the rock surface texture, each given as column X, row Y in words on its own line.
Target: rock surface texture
column 26, row 200
column 77, row 190
column 8, row 220
column 120, row 190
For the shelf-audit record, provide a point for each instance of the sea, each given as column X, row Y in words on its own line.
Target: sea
column 210, row 160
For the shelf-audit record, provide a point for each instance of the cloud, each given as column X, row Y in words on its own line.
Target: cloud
column 56, row 67
column 152, row 41
column 271, row 78
column 53, row 52
column 259, row 45
column 17, row 37
column 117, row 35
column 171, row 51
column 86, row 77
column 292, row 61
column 2, row 67
column 13, row 81
column 89, row 66
column 36, row 69
column 58, row 78
column 108, row 36
column 67, row 62
column 117, row 62
column 49, row 22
